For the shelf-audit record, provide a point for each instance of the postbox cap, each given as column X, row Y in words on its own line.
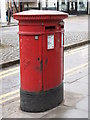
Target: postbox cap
column 40, row 15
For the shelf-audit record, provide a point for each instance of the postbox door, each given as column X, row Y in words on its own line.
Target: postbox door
column 30, row 54
column 52, row 62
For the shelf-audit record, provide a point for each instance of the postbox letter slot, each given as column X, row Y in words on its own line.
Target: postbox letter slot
column 49, row 27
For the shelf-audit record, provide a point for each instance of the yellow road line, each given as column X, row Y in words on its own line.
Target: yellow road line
column 10, row 70
column 3, row 76
column 76, row 68
column 17, row 91
column 75, row 51
column 78, row 49
column 3, row 101
column 8, row 94
column 67, row 72
column 16, row 70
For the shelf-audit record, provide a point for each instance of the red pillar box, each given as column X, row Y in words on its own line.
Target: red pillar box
column 41, row 35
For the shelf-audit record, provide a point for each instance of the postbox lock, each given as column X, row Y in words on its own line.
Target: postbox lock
column 36, row 37
column 38, row 59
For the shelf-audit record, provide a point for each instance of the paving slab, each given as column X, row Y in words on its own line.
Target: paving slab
column 66, row 112
column 82, row 104
column 72, row 98
column 76, row 86
column 15, row 112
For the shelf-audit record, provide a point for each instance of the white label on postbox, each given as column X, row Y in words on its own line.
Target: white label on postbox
column 50, row 42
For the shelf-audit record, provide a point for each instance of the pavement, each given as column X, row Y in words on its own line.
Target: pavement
column 76, row 33
column 13, row 23
column 75, row 104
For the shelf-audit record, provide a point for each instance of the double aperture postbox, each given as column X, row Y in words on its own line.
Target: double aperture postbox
column 41, row 36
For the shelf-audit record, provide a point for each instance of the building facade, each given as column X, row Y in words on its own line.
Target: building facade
column 73, row 7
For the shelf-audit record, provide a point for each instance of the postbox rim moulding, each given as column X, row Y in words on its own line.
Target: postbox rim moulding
column 40, row 15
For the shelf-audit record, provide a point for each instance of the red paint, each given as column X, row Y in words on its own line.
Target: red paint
column 41, row 68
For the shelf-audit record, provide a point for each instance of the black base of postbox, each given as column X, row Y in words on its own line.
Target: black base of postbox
column 42, row 101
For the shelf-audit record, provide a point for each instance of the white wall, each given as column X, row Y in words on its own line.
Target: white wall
column 89, row 7
column 43, row 3
column 50, row 3
column 3, row 10
column 0, row 8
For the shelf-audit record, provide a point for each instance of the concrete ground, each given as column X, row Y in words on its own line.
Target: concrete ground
column 76, row 30
column 75, row 104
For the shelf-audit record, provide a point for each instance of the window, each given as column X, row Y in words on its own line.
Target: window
column 63, row 5
column 82, row 5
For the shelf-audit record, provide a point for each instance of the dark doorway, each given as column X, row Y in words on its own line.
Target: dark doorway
column 72, row 8
column 21, row 7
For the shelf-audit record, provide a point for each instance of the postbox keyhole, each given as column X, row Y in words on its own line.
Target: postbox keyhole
column 62, row 26
column 38, row 59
